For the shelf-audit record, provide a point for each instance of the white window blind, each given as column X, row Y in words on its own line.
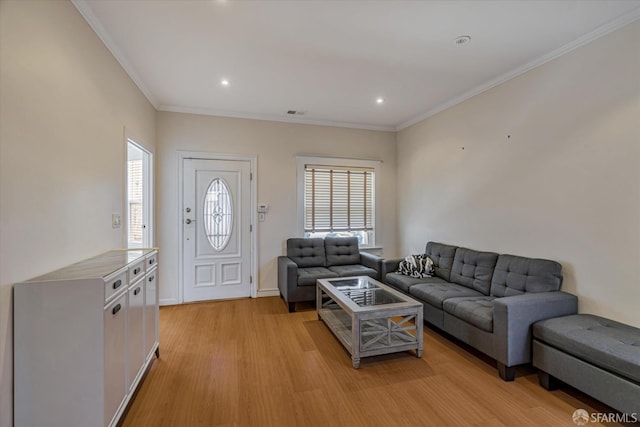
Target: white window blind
column 338, row 199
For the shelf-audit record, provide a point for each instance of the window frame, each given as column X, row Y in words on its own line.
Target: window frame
column 342, row 162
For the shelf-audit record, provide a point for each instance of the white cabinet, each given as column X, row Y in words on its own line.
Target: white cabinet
column 83, row 337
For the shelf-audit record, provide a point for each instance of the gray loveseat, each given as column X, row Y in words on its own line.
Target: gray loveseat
column 309, row 259
column 487, row 300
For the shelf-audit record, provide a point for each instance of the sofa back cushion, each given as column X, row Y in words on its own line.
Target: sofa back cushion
column 515, row 275
column 473, row 269
column 306, row 252
column 442, row 257
column 342, row 250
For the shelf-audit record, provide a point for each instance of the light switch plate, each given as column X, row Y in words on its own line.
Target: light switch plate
column 116, row 220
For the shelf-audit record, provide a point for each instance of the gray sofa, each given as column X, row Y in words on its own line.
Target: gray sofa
column 487, row 300
column 310, row 259
column 599, row 356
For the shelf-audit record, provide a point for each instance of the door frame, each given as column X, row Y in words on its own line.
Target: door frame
column 200, row 155
column 147, row 172
column 136, row 139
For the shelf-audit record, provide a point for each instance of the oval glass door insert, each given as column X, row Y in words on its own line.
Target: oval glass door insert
column 218, row 214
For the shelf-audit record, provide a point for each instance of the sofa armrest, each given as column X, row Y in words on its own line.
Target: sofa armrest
column 287, row 276
column 389, row 266
column 371, row 261
column 513, row 317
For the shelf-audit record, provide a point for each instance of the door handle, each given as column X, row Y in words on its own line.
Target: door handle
column 116, row 309
column 189, row 221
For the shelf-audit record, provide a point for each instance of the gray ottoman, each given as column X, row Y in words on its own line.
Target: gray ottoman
column 598, row 356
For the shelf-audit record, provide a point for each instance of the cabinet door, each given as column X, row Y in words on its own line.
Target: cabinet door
column 150, row 312
column 135, row 330
column 115, row 356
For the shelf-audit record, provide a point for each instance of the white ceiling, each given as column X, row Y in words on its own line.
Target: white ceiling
column 332, row 59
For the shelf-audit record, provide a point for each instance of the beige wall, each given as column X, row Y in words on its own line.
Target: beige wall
column 64, row 104
column 565, row 185
column 275, row 145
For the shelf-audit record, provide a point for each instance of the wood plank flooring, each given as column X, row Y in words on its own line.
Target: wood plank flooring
column 251, row 363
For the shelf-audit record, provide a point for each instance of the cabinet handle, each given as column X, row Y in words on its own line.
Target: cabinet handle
column 151, row 278
column 117, row 284
column 137, row 291
column 136, row 270
column 116, row 309
column 151, row 261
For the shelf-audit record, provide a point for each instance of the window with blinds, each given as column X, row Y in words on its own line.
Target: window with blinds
column 338, row 201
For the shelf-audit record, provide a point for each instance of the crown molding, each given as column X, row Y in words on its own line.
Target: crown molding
column 87, row 13
column 83, row 6
column 273, row 118
column 601, row 31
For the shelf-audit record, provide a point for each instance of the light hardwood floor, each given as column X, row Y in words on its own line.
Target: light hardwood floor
column 251, row 363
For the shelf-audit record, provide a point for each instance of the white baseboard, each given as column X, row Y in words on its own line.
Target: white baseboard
column 169, row 301
column 268, row 293
column 261, row 293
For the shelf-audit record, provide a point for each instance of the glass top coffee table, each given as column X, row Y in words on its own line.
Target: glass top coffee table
column 368, row 317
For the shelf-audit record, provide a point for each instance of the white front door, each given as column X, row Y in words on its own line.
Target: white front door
column 216, row 216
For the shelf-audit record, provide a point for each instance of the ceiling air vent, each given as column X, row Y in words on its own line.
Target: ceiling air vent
column 295, row 113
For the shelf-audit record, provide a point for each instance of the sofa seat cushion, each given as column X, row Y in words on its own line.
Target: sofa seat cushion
column 403, row 282
column 436, row 293
column 308, row 276
column 608, row 344
column 477, row 311
column 353, row 270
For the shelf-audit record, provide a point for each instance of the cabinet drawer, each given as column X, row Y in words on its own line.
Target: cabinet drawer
column 152, row 260
column 115, row 284
column 136, row 271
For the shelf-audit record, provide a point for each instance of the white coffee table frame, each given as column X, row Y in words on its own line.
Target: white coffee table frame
column 370, row 330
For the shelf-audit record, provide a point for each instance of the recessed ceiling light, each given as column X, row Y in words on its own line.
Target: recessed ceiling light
column 379, row 100
column 224, row 82
column 463, row 40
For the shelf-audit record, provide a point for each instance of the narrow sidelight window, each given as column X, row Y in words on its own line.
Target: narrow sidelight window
column 139, row 207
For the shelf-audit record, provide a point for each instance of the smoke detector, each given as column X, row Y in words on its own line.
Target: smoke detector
column 462, row 40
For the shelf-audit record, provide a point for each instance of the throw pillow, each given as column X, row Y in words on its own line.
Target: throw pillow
column 417, row 266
